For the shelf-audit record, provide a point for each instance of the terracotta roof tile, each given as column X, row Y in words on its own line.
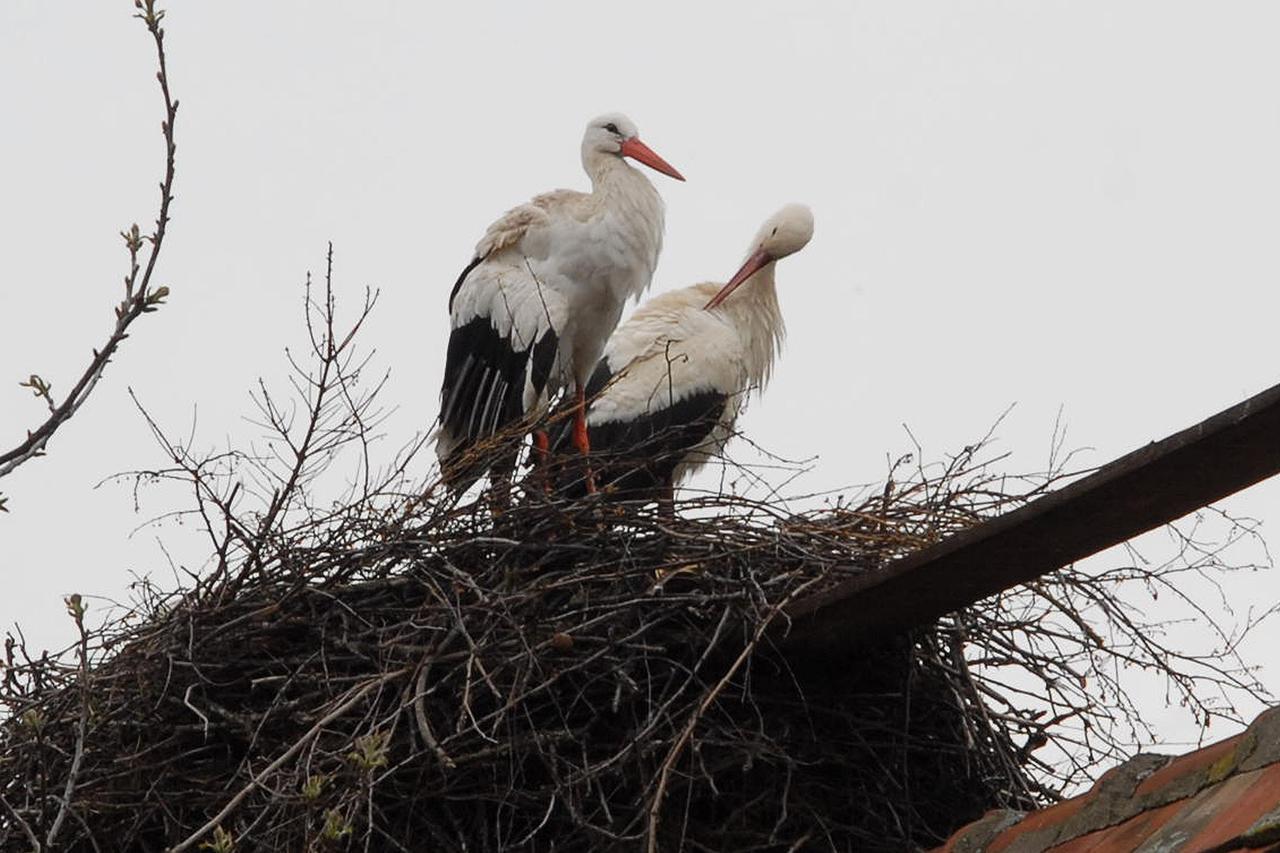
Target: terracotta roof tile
column 1233, row 813
column 1265, row 733
column 1209, row 759
column 1221, row 798
column 1127, row 836
column 977, row 835
column 1042, row 823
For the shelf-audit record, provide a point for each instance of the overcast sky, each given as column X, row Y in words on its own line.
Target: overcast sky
column 1059, row 205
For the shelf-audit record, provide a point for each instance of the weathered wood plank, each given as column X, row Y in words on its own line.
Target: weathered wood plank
column 1140, row 491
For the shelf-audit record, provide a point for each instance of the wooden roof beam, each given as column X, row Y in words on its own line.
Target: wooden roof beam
column 1140, row 491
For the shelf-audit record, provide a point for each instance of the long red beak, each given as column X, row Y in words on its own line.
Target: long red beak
column 637, row 150
column 752, row 266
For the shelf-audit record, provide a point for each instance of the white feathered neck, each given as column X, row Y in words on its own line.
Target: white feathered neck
column 754, row 311
column 630, row 196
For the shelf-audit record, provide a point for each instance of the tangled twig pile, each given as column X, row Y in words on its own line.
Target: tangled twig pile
column 396, row 671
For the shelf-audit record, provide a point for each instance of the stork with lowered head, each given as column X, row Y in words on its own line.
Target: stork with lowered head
column 664, row 398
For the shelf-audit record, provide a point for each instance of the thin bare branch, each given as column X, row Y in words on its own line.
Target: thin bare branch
column 140, row 297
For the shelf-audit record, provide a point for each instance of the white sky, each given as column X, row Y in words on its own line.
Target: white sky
column 1065, row 204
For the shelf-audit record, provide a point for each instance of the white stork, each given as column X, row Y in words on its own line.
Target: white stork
column 532, row 311
column 664, row 398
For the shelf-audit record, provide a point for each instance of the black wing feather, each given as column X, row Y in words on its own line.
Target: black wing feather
column 637, row 458
column 642, row 454
column 457, row 285
column 483, row 389
column 600, row 377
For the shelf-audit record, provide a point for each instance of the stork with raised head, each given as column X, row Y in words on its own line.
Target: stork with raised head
column 531, row 312
column 664, row 398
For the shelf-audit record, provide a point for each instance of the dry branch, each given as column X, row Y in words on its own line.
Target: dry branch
column 140, row 297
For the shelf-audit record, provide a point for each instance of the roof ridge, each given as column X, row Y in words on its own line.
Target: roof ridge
column 1182, row 789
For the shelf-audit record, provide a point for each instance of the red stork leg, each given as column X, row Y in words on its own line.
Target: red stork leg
column 580, row 437
column 541, row 446
column 542, row 458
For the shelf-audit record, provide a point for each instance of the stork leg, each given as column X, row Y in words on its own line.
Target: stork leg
column 580, row 437
column 541, row 446
column 542, row 458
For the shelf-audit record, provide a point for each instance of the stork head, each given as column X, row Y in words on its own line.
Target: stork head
column 615, row 134
column 785, row 233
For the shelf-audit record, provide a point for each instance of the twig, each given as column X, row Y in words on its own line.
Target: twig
column 139, row 299
column 419, row 710
column 664, row 771
column 256, row 781
column 22, row 823
column 76, row 608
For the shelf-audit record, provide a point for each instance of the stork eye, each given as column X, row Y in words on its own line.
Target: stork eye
column 775, row 232
column 611, row 127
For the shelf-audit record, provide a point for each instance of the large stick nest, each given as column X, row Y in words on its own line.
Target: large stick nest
column 397, row 671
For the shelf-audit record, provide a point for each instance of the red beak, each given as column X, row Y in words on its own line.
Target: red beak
column 753, row 265
column 637, row 150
